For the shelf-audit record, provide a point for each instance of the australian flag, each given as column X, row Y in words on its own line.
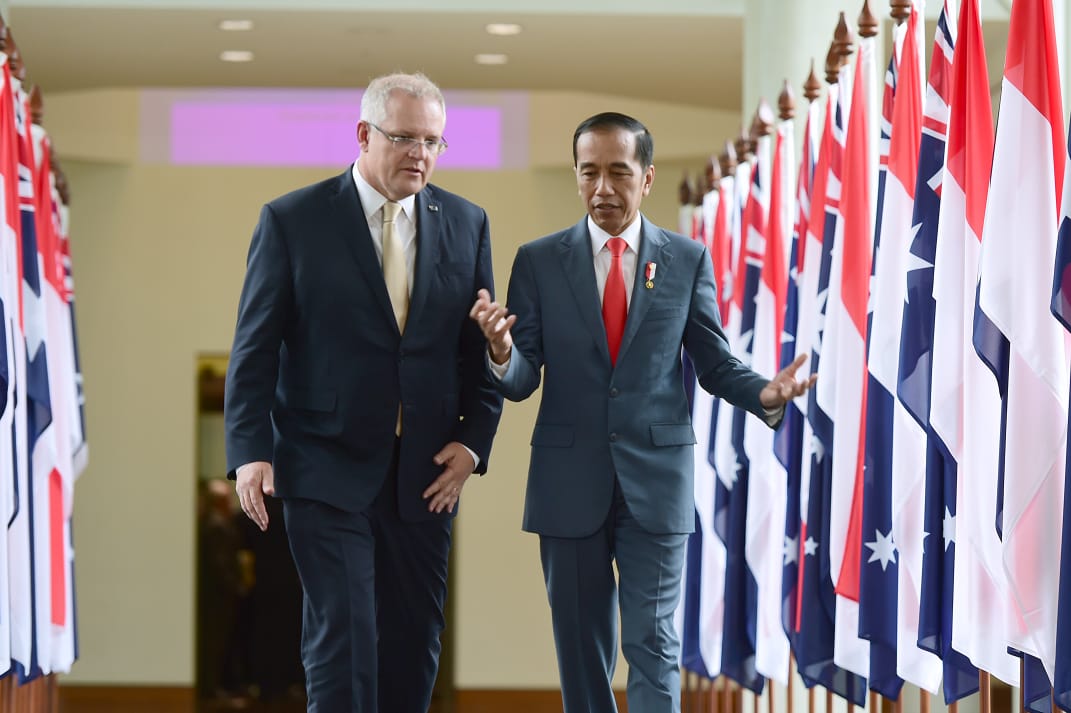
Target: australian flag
column 730, row 510
column 877, row 578
column 916, row 371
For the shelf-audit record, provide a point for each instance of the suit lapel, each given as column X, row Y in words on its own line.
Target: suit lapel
column 353, row 227
column 428, row 224
column 653, row 249
column 575, row 253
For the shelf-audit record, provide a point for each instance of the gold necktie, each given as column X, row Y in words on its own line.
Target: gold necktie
column 395, row 273
column 396, row 276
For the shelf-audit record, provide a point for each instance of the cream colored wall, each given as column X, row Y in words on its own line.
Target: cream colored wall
column 159, row 253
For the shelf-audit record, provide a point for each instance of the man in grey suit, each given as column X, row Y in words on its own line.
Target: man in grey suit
column 611, row 469
column 357, row 392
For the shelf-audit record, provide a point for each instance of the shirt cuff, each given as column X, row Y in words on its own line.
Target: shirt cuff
column 498, row 370
column 475, row 458
column 773, row 415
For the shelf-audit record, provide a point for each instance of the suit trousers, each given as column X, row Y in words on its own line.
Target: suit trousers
column 374, row 602
column 584, row 596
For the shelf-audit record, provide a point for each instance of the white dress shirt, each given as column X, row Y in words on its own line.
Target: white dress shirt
column 404, row 225
column 602, row 257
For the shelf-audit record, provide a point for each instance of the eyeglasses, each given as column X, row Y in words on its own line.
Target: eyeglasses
column 406, row 143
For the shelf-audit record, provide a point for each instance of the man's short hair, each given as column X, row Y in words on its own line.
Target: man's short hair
column 379, row 90
column 614, row 120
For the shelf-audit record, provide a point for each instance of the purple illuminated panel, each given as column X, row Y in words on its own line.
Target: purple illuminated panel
column 263, row 133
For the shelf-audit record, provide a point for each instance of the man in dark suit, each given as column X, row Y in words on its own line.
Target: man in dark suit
column 357, row 392
column 611, row 468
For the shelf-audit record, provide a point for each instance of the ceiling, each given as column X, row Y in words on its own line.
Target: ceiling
column 691, row 59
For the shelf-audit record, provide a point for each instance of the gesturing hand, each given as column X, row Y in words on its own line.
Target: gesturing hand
column 784, row 387
column 495, row 322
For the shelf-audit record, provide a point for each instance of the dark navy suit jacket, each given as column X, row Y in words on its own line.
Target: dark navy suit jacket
column 318, row 366
column 631, row 421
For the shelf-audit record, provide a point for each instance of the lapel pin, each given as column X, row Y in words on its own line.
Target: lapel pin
column 433, row 208
column 650, row 273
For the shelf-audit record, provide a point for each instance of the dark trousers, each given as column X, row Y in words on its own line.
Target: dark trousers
column 375, row 593
column 584, row 599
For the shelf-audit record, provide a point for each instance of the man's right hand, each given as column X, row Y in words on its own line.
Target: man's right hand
column 495, row 322
column 255, row 480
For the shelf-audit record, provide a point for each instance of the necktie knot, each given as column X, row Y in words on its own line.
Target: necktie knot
column 390, row 211
column 616, row 246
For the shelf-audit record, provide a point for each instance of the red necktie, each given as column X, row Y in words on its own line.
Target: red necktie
column 614, row 304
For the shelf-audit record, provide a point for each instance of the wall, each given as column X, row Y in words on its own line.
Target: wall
column 159, row 254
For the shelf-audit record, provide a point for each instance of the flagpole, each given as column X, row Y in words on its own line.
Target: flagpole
column 924, row 701
column 984, row 694
column 1022, row 682
column 788, row 691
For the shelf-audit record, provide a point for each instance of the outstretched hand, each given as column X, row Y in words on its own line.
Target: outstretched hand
column 784, row 387
column 495, row 322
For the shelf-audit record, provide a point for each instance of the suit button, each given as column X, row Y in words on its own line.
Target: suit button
column 613, row 437
column 613, row 393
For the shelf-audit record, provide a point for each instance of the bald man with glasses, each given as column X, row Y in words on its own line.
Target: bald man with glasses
column 357, row 393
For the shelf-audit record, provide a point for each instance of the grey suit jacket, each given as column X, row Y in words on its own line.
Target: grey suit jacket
column 631, row 421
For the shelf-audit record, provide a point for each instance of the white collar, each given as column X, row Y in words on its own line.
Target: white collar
column 631, row 234
column 372, row 200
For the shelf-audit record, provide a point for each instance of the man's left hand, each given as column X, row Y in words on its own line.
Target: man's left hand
column 457, row 465
column 784, row 387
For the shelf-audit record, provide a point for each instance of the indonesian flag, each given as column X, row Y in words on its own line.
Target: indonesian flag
column 847, row 318
column 1014, row 294
column 966, row 404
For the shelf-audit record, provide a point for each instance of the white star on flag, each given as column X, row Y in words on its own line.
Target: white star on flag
column 818, row 449
column 949, row 529
column 792, row 550
column 883, row 549
column 809, row 547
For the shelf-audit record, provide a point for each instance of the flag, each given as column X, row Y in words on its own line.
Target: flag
column 44, row 474
column 741, row 588
column 846, row 331
column 10, row 370
column 19, row 539
column 686, row 618
column 721, row 247
column 1061, row 307
column 788, row 439
column 965, row 410
column 903, row 456
column 767, row 491
column 878, row 574
column 817, row 600
column 1014, row 295
column 63, row 404
column 933, row 583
